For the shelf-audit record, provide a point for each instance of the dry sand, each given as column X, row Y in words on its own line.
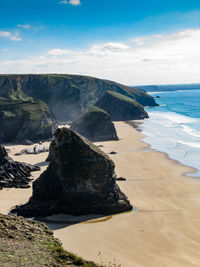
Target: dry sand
column 162, row 231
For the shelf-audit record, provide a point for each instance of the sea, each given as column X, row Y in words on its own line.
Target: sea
column 174, row 126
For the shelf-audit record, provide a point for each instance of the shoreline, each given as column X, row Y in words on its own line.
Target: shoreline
column 162, row 230
column 164, row 200
column 136, row 124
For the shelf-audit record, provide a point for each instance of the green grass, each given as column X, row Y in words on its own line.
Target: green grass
column 123, row 98
column 95, row 109
column 29, row 243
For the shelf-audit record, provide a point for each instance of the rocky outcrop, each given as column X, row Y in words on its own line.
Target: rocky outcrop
column 121, row 108
column 96, row 125
column 25, row 119
column 29, row 243
column 37, row 149
column 13, row 173
column 80, row 179
column 67, row 96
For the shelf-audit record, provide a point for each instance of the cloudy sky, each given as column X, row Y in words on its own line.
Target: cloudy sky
column 132, row 42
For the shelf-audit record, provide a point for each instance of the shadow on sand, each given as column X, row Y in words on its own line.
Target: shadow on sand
column 60, row 221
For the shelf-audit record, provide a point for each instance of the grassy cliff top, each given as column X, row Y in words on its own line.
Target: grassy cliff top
column 34, row 110
column 95, row 109
column 29, row 243
column 123, row 98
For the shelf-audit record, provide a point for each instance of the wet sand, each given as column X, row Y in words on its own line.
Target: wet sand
column 163, row 230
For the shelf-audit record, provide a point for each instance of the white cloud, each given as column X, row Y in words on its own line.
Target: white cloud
column 156, row 59
column 58, row 52
column 24, row 26
column 110, row 47
column 71, row 2
column 12, row 36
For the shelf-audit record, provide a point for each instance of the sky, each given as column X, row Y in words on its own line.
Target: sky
column 129, row 41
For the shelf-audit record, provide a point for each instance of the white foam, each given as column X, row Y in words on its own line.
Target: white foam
column 191, row 144
column 190, row 131
column 174, row 117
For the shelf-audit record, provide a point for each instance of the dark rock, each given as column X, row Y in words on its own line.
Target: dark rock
column 13, row 173
column 121, row 108
column 157, row 96
column 113, row 153
column 96, row 125
column 120, row 179
column 80, row 179
column 100, row 146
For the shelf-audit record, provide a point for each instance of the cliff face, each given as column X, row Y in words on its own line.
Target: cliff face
column 80, row 179
column 68, row 96
column 120, row 107
column 96, row 125
column 25, row 119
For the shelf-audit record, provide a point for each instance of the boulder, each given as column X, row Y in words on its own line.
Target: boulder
column 13, row 173
column 37, row 149
column 80, row 179
column 121, row 108
column 96, row 125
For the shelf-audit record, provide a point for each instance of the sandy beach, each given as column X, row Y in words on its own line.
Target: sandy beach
column 163, row 229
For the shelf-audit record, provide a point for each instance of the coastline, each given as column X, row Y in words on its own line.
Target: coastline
column 163, row 230
column 136, row 125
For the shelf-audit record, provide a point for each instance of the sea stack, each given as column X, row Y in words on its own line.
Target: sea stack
column 80, row 179
column 121, row 107
column 96, row 125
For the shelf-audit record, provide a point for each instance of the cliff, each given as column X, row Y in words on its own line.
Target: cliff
column 80, row 179
column 30, row 243
column 96, row 125
column 68, row 96
column 120, row 107
column 25, row 119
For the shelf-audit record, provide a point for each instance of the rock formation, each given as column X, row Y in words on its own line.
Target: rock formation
column 67, row 96
column 96, row 125
column 121, row 108
column 80, row 179
column 13, row 173
column 25, row 119
column 37, row 149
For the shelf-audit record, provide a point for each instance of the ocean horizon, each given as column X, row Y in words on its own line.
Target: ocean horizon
column 173, row 127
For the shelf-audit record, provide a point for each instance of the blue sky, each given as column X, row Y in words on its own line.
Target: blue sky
column 31, row 30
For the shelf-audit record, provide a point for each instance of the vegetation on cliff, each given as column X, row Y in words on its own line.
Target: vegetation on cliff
column 68, row 96
column 121, row 107
column 29, row 243
column 25, row 119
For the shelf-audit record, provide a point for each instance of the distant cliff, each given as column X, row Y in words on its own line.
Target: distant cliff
column 68, row 96
column 121, row 108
